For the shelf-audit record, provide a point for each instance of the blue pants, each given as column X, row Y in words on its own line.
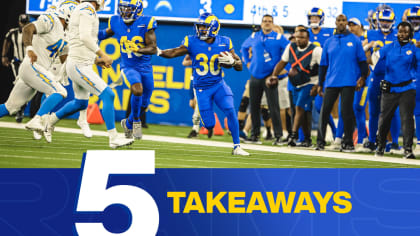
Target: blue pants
column 222, row 95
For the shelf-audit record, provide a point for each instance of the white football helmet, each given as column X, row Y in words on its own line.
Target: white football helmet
column 99, row 2
column 65, row 9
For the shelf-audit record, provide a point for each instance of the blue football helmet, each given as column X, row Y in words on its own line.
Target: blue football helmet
column 130, row 10
column 413, row 17
column 316, row 12
column 386, row 20
column 372, row 19
column 212, row 24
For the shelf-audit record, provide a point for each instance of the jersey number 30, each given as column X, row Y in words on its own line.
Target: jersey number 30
column 206, row 66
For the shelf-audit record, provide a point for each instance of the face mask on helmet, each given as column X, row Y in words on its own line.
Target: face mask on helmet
column 413, row 17
column 130, row 12
column 386, row 20
column 317, row 15
column 207, row 26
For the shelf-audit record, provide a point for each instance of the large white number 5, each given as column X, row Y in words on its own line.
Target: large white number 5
column 94, row 196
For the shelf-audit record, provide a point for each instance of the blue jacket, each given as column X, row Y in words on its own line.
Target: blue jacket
column 267, row 50
column 401, row 63
column 342, row 54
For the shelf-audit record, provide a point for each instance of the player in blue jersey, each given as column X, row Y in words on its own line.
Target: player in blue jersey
column 136, row 35
column 209, row 52
column 377, row 39
column 318, row 35
column 413, row 17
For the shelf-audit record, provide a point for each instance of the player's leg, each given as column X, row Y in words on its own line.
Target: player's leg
column 20, row 95
column 359, row 105
column 205, row 107
column 374, row 95
column 394, row 147
column 223, row 98
column 339, row 130
column 41, row 80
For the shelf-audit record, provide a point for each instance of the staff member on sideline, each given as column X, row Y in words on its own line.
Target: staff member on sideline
column 401, row 58
column 267, row 47
column 342, row 61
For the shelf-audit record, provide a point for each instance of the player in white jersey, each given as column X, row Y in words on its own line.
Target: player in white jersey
column 56, row 68
column 84, row 52
column 44, row 42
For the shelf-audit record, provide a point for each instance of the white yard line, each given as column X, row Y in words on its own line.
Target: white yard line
column 286, row 150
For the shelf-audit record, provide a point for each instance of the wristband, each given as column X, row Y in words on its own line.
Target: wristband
column 29, row 48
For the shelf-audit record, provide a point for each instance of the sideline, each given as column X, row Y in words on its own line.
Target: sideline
column 297, row 151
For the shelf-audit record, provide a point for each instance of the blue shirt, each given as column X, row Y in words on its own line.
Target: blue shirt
column 320, row 38
column 267, row 50
column 342, row 54
column 205, row 62
column 135, row 32
column 416, row 37
column 400, row 62
column 381, row 40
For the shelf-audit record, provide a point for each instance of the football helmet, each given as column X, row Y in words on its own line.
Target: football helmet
column 386, row 20
column 100, row 3
column 211, row 23
column 65, row 9
column 372, row 19
column 130, row 10
column 413, row 17
column 316, row 12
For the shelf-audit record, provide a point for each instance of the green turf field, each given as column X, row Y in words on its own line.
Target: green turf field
column 20, row 150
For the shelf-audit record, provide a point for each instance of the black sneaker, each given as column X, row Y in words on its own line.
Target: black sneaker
column 369, row 147
column 269, row 136
column 242, row 136
column 320, row 147
column 380, row 152
column 347, row 148
column 278, row 141
column 144, row 125
column 408, row 154
column 306, row 143
column 253, row 140
column 210, row 133
column 292, row 139
column 193, row 134
column 19, row 116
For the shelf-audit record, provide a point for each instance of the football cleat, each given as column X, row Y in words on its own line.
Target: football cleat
column 35, row 124
column 128, row 132
column 193, row 134
column 84, row 126
column 239, row 151
column 117, row 141
column 137, row 130
column 37, row 135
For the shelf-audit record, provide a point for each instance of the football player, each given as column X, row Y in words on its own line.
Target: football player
column 44, row 42
column 318, row 35
column 377, row 39
column 84, row 52
column 136, row 34
column 209, row 52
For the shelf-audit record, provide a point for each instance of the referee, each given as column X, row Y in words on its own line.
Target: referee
column 12, row 55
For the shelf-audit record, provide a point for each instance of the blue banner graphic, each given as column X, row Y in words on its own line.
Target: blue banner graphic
column 222, row 202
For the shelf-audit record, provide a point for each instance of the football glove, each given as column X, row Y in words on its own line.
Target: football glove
column 226, row 58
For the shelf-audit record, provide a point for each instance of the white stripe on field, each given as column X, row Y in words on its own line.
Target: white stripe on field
column 286, row 150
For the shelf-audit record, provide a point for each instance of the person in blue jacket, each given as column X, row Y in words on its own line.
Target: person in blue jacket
column 343, row 60
column 401, row 58
column 267, row 47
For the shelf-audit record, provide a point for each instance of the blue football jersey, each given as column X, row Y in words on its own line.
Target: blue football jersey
column 205, row 62
column 381, row 40
column 135, row 32
column 416, row 37
column 319, row 39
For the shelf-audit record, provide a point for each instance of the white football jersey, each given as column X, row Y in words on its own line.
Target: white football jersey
column 83, row 34
column 48, row 42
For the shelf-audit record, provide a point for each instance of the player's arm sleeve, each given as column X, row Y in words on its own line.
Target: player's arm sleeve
column 186, row 43
column 44, row 24
column 85, row 29
column 323, row 66
column 152, row 24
